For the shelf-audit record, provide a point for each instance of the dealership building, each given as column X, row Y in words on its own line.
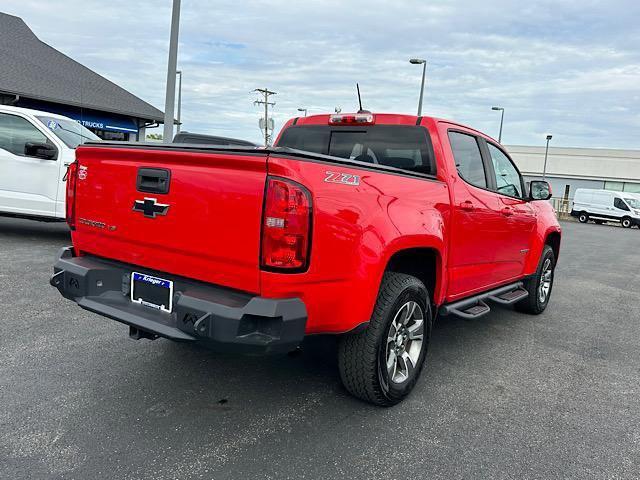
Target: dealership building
column 572, row 168
column 36, row 75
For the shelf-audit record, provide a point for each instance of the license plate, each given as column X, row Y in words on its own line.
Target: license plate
column 152, row 292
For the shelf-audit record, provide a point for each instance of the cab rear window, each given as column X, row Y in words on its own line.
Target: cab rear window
column 404, row 147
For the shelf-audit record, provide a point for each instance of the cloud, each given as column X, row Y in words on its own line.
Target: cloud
column 567, row 67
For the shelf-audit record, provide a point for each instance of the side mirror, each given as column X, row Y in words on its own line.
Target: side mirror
column 539, row 190
column 40, row 150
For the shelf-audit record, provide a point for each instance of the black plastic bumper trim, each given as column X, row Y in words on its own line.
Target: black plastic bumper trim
column 218, row 317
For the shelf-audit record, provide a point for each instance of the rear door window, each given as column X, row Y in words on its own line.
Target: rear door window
column 466, row 153
column 399, row 146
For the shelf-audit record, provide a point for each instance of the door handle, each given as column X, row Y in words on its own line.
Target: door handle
column 507, row 211
column 467, row 205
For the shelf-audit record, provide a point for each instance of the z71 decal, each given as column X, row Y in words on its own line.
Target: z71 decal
column 344, row 178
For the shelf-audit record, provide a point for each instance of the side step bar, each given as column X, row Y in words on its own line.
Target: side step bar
column 475, row 307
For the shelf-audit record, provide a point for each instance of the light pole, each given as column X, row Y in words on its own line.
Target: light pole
column 179, row 73
column 303, row 110
column 501, row 120
column 170, row 95
column 420, row 61
column 546, row 152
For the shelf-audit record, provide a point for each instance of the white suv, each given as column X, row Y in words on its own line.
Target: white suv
column 35, row 149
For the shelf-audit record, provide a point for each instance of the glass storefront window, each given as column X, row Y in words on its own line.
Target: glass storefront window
column 631, row 187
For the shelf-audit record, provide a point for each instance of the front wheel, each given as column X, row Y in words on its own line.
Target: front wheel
column 583, row 217
column 626, row 222
column 382, row 364
column 540, row 284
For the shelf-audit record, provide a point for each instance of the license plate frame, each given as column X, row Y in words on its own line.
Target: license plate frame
column 153, row 288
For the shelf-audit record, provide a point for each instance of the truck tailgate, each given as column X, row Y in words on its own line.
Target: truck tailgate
column 205, row 227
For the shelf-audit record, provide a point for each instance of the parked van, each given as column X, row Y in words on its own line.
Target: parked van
column 606, row 206
column 35, row 149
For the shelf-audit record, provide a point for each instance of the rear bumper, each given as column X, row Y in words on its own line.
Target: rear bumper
column 220, row 318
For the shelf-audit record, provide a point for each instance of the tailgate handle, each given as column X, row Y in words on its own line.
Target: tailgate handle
column 153, row 180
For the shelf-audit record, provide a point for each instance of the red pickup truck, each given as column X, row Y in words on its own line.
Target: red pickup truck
column 363, row 225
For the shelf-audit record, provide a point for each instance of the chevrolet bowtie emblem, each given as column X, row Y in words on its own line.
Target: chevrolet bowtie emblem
column 150, row 207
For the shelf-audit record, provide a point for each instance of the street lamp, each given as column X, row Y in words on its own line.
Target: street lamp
column 179, row 73
column 420, row 61
column 501, row 120
column 546, row 152
column 303, row 110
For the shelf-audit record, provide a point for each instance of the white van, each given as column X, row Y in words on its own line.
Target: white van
column 35, row 149
column 606, row 206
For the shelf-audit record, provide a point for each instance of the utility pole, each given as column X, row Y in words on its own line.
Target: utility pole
column 170, row 95
column 266, row 93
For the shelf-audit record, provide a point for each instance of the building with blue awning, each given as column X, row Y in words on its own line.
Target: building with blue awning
column 35, row 75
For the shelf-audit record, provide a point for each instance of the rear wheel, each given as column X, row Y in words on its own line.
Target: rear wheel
column 540, row 284
column 382, row 364
column 627, row 222
column 583, row 217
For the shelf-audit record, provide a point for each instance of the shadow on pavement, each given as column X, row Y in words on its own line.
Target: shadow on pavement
column 14, row 227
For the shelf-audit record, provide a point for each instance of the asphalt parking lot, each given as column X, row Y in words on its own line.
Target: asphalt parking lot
column 507, row 396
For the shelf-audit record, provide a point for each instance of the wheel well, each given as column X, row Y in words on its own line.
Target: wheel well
column 421, row 263
column 553, row 240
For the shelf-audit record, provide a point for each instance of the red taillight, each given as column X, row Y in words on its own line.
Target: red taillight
column 286, row 226
column 71, row 177
column 352, row 119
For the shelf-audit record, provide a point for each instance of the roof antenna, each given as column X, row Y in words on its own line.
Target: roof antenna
column 362, row 110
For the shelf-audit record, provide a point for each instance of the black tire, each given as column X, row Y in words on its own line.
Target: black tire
column 627, row 222
column 583, row 217
column 362, row 357
column 534, row 304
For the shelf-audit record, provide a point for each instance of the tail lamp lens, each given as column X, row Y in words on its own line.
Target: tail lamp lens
column 286, row 225
column 71, row 177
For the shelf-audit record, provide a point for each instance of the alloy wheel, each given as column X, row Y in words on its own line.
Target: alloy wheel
column 405, row 340
column 545, row 281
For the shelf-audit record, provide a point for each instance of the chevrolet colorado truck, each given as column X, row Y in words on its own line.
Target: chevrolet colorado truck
column 363, row 225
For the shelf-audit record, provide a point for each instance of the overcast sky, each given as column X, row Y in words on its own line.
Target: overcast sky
column 570, row 68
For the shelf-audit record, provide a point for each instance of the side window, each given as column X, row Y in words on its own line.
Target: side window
column 466, row 153
column 508, row 179
column 618, row 203
column 15, row 132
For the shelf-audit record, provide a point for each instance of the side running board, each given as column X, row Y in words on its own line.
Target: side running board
column 475, row 306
